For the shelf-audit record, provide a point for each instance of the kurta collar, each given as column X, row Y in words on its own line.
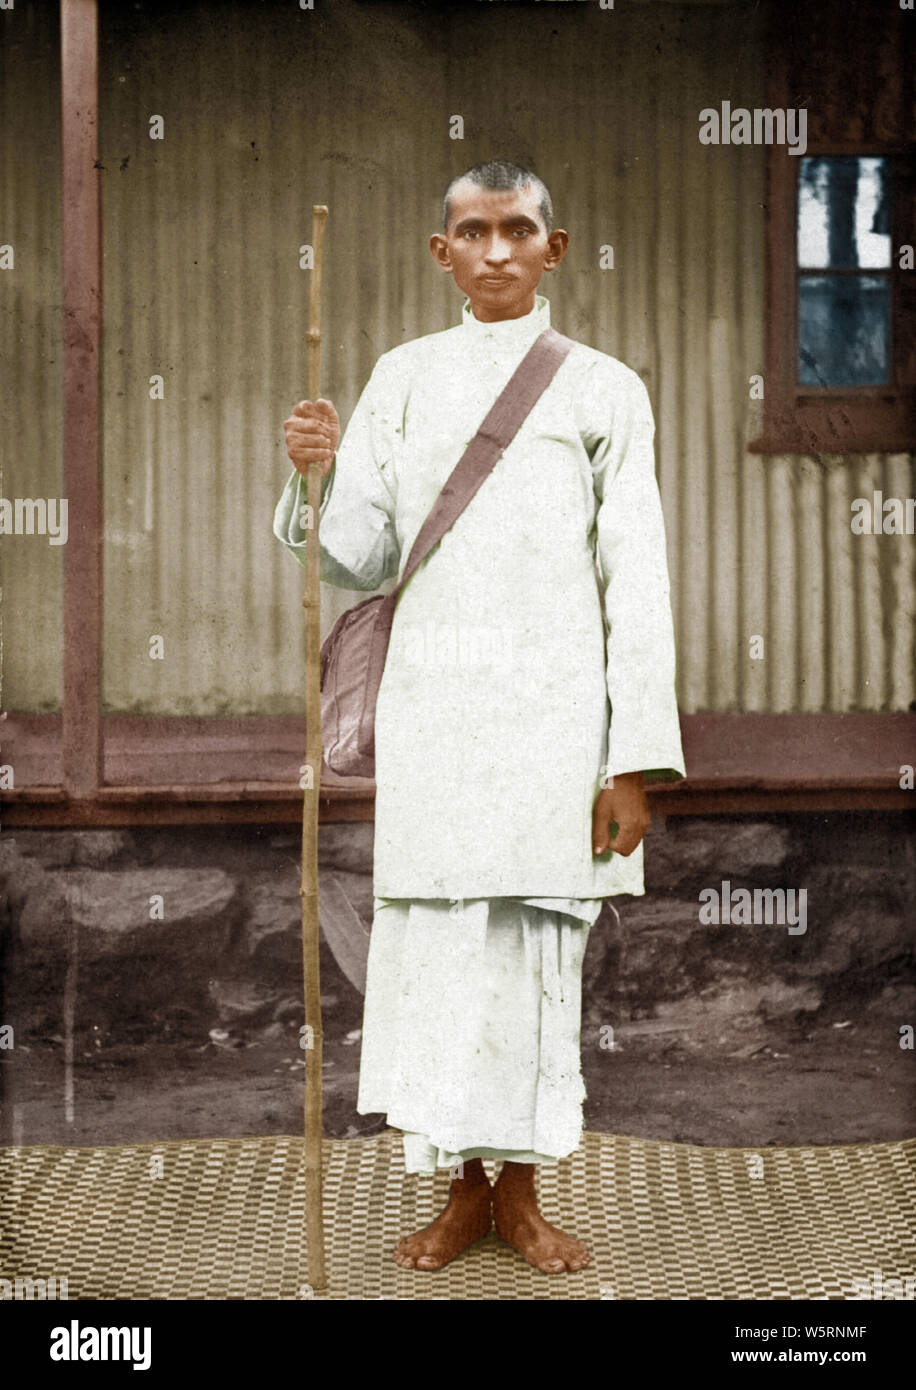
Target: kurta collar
column 509, row 331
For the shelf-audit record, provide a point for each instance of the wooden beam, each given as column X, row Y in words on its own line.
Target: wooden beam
column 245, row 770
column 802, row 750
column 81, row 235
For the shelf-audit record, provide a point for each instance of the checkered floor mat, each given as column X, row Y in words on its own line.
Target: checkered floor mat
column 225, row 1219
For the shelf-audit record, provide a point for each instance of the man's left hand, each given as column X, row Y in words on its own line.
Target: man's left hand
column 626, row 804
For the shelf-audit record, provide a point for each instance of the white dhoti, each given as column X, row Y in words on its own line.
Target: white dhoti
column 471, row 1027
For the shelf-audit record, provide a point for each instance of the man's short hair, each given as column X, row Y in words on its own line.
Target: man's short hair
column 499, row 175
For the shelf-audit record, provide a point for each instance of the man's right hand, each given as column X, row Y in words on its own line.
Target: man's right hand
column 312, row 435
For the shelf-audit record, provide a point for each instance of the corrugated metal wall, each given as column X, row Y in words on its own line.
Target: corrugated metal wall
column 31, row 375
column 268, row 109
column 266, row 112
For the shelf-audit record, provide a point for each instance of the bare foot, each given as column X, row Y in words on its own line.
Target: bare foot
column 520, row 1224
column 465, row 1219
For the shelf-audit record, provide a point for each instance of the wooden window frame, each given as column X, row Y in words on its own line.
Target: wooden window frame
column 801, row 419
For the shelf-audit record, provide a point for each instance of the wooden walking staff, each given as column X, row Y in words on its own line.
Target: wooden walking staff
column 308, row 890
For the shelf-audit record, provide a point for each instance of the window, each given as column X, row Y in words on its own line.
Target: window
column 841, row 292
column 844, row 230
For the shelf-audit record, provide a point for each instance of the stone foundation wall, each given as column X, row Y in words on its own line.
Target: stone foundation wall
column 173, row 931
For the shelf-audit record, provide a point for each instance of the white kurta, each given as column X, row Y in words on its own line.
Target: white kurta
column 492, row 727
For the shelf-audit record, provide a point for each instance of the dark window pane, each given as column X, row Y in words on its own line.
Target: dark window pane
column 844, row 213
column 843, row 330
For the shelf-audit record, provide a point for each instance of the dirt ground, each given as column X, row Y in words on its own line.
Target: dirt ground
column 785, row 1093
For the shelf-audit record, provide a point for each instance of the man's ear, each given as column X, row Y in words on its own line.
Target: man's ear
column 557, row 246
column 438, row 247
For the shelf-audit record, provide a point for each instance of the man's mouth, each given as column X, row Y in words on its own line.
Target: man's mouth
column 496, row 279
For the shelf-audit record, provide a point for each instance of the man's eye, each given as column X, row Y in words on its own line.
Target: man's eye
column 471, row 232
column 521, row 231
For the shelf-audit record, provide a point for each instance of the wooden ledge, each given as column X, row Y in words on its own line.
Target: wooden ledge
column 246, row 770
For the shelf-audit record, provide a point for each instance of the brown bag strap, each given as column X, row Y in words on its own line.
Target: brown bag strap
column 508, row 413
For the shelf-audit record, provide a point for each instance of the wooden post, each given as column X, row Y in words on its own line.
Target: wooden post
column 81, row 239
column 313, row 752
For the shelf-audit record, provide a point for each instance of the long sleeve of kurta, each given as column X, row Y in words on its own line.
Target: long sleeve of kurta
column 644, row 731
column 359, row 546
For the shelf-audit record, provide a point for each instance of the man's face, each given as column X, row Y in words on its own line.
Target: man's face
column 497, row 248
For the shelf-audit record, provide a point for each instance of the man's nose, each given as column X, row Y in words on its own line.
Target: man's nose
column 498, row 251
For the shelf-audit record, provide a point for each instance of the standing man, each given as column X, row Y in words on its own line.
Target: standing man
column 525, row 699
